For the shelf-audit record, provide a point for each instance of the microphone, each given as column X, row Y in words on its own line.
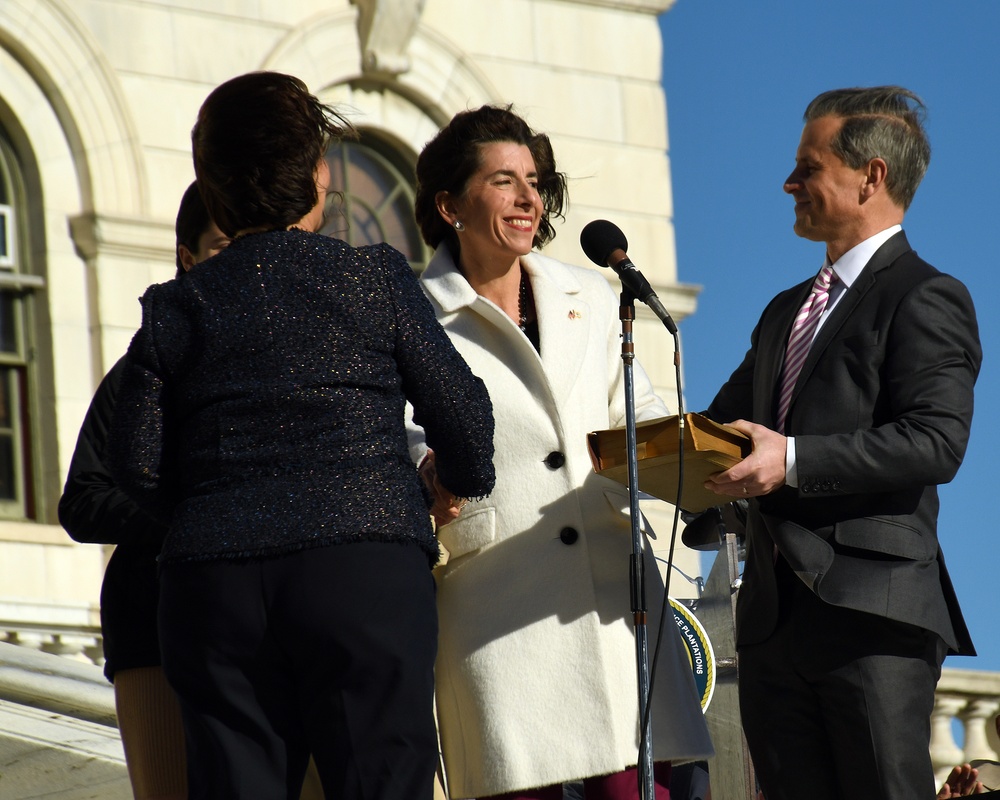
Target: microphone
column 605, row 245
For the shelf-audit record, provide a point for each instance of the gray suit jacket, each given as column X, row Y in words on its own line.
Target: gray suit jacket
column 881, row 415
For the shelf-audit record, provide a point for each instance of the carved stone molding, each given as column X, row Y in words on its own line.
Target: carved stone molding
column 642, row 6
column 121, row 236
column 385, row 28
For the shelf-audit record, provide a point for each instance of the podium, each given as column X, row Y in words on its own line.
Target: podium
column 730, row 771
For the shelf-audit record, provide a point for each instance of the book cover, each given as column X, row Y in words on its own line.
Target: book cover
column 708, row 448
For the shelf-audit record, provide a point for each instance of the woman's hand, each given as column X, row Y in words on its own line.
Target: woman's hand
column 446, row 507
column 962, row 781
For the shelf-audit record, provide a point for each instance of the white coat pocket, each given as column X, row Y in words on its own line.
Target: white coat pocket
column 471, row 531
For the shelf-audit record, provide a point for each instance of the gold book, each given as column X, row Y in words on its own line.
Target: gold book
column 708, row 448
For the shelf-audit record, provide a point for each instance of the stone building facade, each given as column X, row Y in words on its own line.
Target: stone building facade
column 97, row 100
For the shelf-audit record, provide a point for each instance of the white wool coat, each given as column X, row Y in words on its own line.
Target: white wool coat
column 536, row 676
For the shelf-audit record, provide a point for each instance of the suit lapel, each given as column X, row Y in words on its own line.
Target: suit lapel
column 883, row 257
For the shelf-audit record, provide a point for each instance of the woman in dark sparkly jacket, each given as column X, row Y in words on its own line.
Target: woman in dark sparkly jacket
column 261, row 415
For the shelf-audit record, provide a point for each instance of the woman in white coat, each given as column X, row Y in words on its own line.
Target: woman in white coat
column 536, row 677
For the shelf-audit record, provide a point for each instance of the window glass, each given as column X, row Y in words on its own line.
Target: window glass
column 377, row 202
column 8, row 323
column 16, row 474
column 8, row 460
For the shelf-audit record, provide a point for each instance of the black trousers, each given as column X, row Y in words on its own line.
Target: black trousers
column 328, row 651
column 837, row 703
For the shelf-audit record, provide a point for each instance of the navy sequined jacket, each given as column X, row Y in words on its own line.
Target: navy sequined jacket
column 261, row 411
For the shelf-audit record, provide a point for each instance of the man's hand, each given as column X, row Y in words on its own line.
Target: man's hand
column 759, row 473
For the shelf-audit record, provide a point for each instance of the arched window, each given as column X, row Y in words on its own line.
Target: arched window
column 16, row 288
column 378, row 188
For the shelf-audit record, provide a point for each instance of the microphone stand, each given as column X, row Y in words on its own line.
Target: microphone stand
column 637, row 575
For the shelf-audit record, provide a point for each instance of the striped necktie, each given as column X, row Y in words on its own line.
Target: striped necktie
column 800, row 340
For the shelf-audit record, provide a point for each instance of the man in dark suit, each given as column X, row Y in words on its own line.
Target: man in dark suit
column 846, row 610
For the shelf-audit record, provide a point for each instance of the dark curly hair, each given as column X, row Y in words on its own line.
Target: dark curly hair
column 256, row 145
column 453, row 156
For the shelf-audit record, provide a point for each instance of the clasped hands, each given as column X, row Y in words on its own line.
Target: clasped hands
column 446, row 506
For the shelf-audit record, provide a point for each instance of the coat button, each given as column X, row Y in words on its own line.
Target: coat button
column 555, row 459
column 568, row 535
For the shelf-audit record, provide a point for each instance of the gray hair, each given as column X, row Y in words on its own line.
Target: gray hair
column 880, row 122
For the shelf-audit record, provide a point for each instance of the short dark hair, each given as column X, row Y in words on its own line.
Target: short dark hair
column 884, row 122
column 192, row 222
column 453, row 155
column 256, row 145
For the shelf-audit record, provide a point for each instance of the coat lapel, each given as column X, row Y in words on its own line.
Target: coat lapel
column 883, row 257
column 445, row 285
column 563, row 315
column 564, row 320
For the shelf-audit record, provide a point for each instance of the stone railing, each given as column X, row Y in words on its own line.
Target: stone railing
column 61, row 629
column 79, row 644
column 967, row 703
column 58, row 729
column 31, row 678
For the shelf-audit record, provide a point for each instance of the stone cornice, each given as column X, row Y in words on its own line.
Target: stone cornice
column 130, row 237
column 642, row 6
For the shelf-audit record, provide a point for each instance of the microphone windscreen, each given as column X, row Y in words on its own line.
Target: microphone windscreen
column 600, row 238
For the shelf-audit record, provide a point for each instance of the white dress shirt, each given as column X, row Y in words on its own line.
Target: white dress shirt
column 846, row 268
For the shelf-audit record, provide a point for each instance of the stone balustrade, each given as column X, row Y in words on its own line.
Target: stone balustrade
column 962, row 724
column 79, row 644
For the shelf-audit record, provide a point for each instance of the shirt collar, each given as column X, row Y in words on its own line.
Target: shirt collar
column 849, row 265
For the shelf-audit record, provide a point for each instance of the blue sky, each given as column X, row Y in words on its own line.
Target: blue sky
column 738, row 76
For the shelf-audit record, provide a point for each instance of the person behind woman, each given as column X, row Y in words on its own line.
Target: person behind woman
column 536, row 668
column 93, row 509
column 261, row 413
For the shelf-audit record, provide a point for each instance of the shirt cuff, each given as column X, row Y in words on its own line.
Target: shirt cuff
column 791, row 470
